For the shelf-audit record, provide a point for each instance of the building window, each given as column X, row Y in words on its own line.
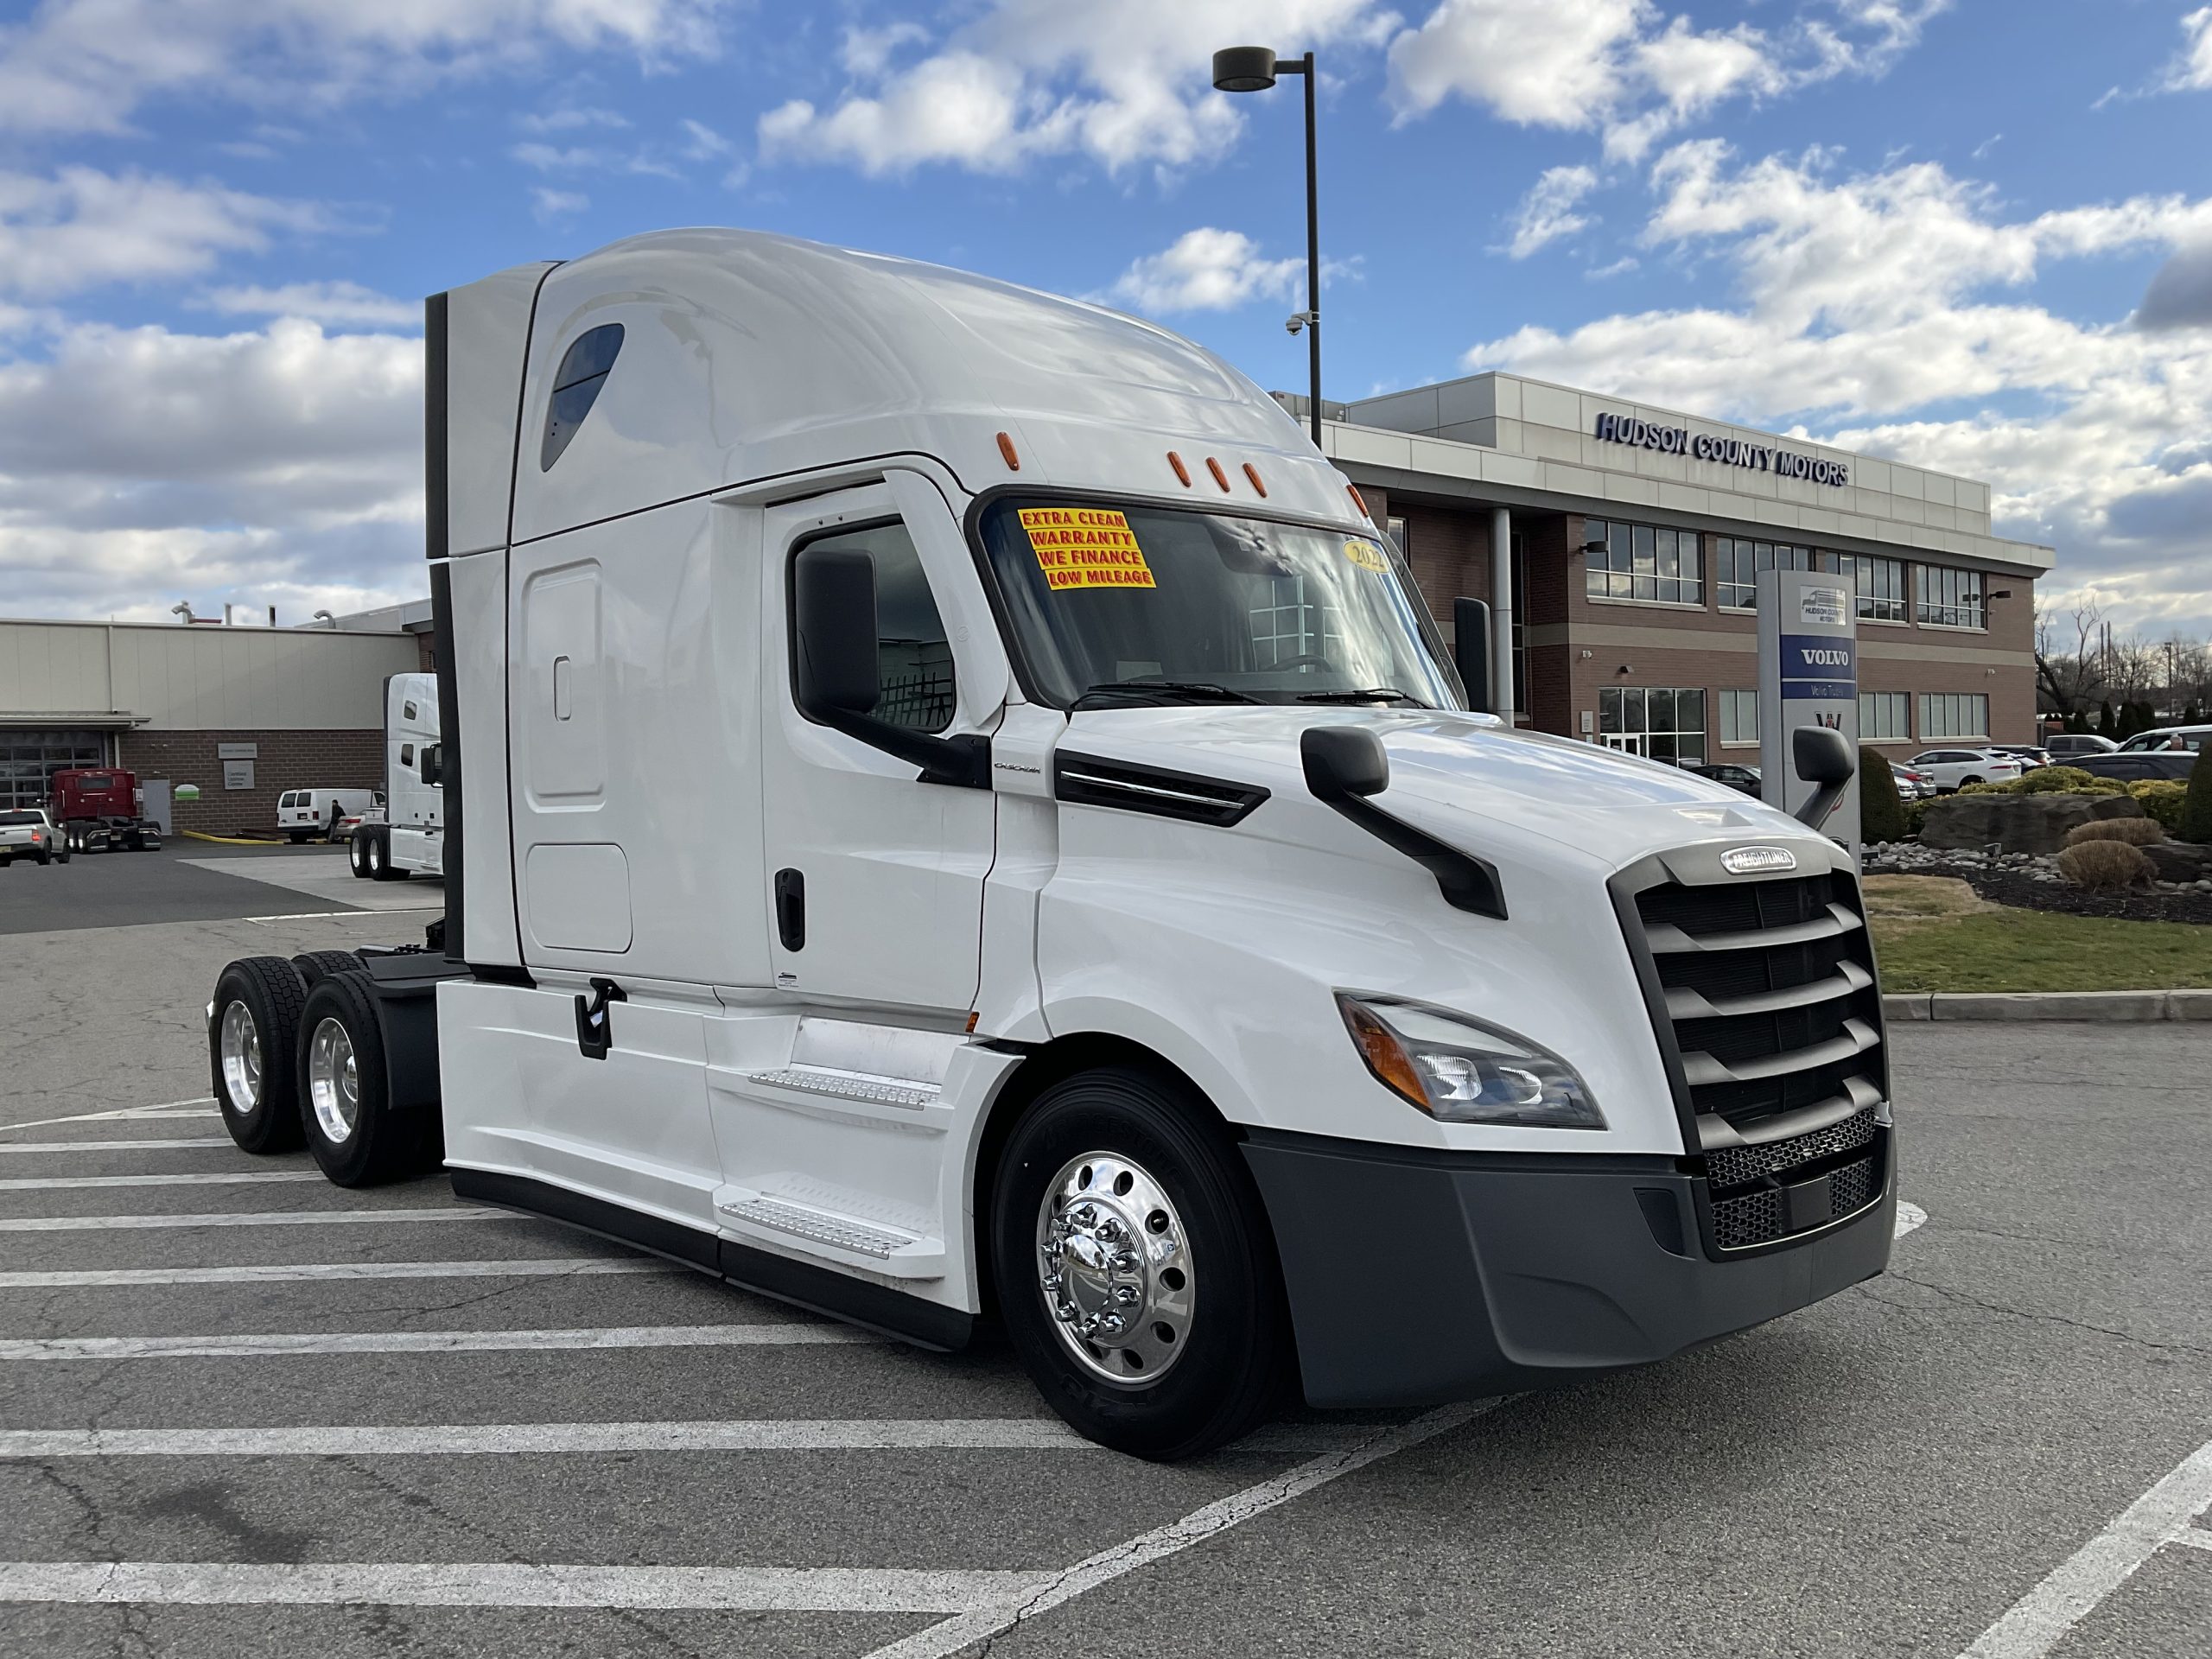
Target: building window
column 1291, row 624
column 1882, row 716
column 1740, row 561
column 1395, row 528
column 1740, row 716
column 29, row 759
column 1953, row 714
column 1879, row 584
column 1948, row 598
column 1664, row 723
column 1644, row 561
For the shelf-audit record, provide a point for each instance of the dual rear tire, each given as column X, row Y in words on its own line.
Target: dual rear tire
column 298, row 1064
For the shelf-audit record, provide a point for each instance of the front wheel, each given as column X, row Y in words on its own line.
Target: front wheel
column 1963, row 782
column 345, row 1097
column 250, row 1041
column 1135, row 1271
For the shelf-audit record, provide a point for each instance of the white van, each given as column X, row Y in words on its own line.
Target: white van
column 330, row 813
column 955, row 813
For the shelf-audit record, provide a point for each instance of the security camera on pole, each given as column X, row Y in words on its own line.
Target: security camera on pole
column 1809, row 676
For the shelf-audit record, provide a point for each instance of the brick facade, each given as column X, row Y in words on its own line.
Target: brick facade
column 1576, row 645
column 338, row 759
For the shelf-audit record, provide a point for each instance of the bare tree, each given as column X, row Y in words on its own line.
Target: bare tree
column 2071, row 674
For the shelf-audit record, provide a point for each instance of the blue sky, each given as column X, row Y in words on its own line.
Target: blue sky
column 1975, row 234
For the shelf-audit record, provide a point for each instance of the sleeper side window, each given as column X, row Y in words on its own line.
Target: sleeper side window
column 407, row 754
column 576, row 383
column 913, row 656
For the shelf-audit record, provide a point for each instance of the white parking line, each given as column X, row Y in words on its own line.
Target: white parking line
column 1909, row 1216
column 769, row 1434
column 195, row 1141
column 525, row 1268
column 503, row 1584
column 198, row 1106
column 224, row 1178
column 2040, row 1619
column 248, row 1218
column 434, row 1342
column 346, row 915
column 956, row 1635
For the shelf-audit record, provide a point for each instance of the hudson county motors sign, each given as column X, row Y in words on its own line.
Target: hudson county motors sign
column 1728, row 452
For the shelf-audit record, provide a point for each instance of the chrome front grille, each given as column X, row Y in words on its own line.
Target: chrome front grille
column 1771, row 1023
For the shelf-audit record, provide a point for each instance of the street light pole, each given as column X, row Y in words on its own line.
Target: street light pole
column 1254, row 69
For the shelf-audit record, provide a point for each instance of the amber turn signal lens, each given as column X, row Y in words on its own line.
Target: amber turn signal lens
column 1006, row 448
column 1253, row 473
column 1181, row 471
column 1358, row 501
column 1219, row 477
column 1380, row 1048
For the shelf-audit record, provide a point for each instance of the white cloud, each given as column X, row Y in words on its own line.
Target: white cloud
column 1873, row 306
column 2192, row 69
column 1123, row 83
column 1546, row 213
column 1622, row 68
column 550, row 206
column 85, row 66
column 280, row 466
column 82, row 228
column 324, row 302
column 570, row 120
column 1208, row 270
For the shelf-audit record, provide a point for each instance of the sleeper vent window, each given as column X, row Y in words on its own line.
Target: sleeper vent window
column 576, row 388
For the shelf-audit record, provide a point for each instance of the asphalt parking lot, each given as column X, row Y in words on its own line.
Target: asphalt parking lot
column 242, row 1411
column 195, row 881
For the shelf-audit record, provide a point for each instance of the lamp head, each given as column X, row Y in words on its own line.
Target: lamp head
column 1243, row 69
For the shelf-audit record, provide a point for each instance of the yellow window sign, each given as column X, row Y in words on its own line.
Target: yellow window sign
column 1085, row 547
column 1364, row 554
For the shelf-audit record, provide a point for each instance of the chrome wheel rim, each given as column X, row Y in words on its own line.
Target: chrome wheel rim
column 333, row 1080
column 1114, row 1266
column 240, row 1047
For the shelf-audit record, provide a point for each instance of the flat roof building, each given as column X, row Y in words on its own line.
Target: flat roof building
column 1633, row 535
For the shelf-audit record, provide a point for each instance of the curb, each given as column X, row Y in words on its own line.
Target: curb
column 2097, row 1007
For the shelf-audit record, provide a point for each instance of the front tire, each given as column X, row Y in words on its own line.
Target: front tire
column 249, row 1044
column 344, row 1094
column 1963, row 782
column 1135, row 1270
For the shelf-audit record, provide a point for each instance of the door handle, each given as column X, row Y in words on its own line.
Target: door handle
column 595, row 1023
column 791, row 909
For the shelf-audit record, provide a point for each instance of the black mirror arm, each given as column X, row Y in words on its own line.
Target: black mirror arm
column 963, row 761
column 1815, row 812
column 1467, row 883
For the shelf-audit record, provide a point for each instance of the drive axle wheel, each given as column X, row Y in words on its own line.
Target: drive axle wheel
column 249, row 1039
column 345, row 1101
column 1135, row 1267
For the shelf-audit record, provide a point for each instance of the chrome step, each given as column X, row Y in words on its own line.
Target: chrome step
column 839, row 1232
column 839, row 1084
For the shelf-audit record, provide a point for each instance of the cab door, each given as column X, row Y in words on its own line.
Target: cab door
column 875, row 879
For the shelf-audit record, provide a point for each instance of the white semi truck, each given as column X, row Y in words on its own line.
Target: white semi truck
column 954, row 812
column 407, row 836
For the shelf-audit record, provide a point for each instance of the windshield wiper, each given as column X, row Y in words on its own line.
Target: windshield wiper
column 1372, row 694
column 1162, row 691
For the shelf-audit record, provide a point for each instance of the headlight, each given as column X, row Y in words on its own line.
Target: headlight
column 1459, row 1071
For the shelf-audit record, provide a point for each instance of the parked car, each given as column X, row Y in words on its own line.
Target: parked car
column 1955, row 768
column 2176, row 738
column 2133, row 766
column 1733, row 773
column 1912, row 785
column 2063, row 746
column 333, row 814
column 2026, row 754
column 27, row 832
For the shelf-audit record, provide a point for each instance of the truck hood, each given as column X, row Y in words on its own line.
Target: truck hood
column 1453, row 774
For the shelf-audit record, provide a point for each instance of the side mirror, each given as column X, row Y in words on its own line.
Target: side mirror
column 1471, row 651
column 1342, row 762
column 833, row 602
column 431, row 760
column 1822, row 757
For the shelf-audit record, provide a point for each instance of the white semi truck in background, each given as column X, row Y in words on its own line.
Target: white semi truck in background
column 407, row 836
column 952, row 812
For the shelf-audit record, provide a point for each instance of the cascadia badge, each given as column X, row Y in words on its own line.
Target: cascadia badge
column 1758, row 860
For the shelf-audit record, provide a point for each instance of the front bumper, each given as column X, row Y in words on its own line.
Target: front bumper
column 1418, row 1277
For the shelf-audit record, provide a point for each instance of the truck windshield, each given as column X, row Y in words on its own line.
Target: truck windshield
column 1107, row 600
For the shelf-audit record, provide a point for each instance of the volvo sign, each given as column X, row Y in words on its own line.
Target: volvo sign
column 1809, row 675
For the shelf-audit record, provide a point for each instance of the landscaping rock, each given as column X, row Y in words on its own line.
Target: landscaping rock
column 2180, row 861
column 2035, row 824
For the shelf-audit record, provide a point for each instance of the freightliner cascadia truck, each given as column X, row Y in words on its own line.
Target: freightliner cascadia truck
column 954, row 813
column 407, row 836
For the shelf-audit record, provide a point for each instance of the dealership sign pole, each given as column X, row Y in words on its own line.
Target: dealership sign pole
column 1809, row 675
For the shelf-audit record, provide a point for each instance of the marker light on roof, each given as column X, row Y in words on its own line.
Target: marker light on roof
column 1219, row 477
column 1181, row 471
column 1006, row 448
column 1253, row 473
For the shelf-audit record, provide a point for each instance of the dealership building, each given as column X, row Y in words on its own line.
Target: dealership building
column 1618, row 545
